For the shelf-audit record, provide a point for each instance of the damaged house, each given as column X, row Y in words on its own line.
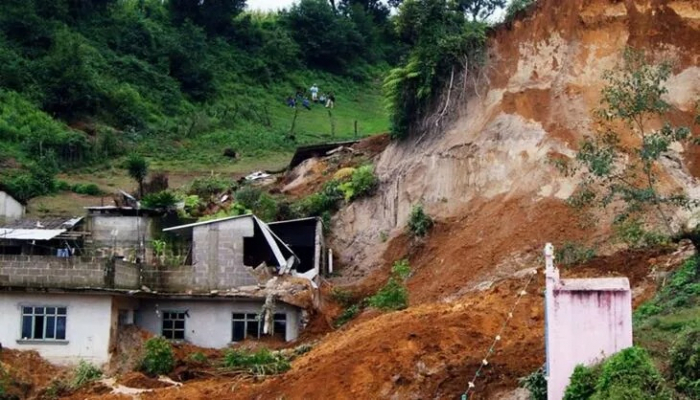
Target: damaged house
column 243, row 279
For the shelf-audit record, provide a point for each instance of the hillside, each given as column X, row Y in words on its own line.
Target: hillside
column 488, row 175
column 83, row 84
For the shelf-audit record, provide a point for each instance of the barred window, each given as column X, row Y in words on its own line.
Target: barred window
column 174, row 325
column 44, row 323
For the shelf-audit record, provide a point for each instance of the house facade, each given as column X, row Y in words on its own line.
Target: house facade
column 241, row 285
column 10, row 209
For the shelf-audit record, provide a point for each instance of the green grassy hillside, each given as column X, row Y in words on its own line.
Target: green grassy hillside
column 85, row 83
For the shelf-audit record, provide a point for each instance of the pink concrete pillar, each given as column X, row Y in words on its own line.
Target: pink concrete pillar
column 586, row 320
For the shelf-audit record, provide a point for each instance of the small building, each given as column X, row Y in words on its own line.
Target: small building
column 241, row 283
column 47, row 236
column 10, row 209
column 587, row 320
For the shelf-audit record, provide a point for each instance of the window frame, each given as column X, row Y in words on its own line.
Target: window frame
column 245, row 321
column 56, row 315
column 173, row 330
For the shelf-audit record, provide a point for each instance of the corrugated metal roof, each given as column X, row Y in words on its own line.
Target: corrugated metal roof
column 29, row 234
column 211, row 221
column 42, row 224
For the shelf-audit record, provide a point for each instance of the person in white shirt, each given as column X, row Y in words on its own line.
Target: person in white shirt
column 314, row 93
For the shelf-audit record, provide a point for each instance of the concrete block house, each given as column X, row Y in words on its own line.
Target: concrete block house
column 242, row 281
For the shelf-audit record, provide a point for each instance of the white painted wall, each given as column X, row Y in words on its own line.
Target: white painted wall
column 210, row 322
column 10, row 209
column 87, row 326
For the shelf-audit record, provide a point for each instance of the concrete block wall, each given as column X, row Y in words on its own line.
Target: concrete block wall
column 69, row 272
column 169, row 279
column 126, row 275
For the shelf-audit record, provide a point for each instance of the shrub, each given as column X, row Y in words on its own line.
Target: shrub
column 571, row 253
column 198, row 357
column 629, row 374
column 685, row 363
column 85, row 373
column 394, row 295
column 319, row 203
column 63, row 186
column 137, row 168
column 209, row 186
column 248, row 196
column 89, row 189
column 536, row 383
column 632, row 233
column 158, row 358
column 517, row 6
column 266, row 208
column 349, row 313
column 419, row 223
column 262, row 362
column 162, row 200
column 363, row 182
column 582, row 383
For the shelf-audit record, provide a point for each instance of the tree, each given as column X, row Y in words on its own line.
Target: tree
column 215, row 16
column 629, row 171
column 480, row 9
column 137, row 167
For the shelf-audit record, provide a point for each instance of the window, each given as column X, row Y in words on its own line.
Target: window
column 245, row 326
column 280, row 328
column 174, row 325
column 44, row 323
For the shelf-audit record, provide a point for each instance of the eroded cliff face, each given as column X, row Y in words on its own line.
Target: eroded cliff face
column 545, row 76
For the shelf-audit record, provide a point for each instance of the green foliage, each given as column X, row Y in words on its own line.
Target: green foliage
column 362, row 183
column 685, row 362
column 393, row 295
column 632, row 233
column 210, row 186
column 158, row 358
column 89, row 189
column 160, row 200
column 348, row 313
column 198, row 357
column 633, row 95
column 84, row 374
column 318, row 204
column 419, row 223
column 536, row 383
column 137, row 168
column 629, row 374
column 261, row 362
column 248, row 196
column 233, row 210
column 582, row 383
column 441, row 39
column 28, row 184
column 342, row 296
column 516, row 6
column 571, row 253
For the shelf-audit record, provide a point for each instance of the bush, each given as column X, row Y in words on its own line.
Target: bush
column 89, row 189
column 319, row 203
column 85, row 373
column 629, row 374
column 162, row 200
column 419, row 223
column 363, row 182
column 685, row 363
column 198, row 357
column 158, row 358
column 248, row 196
column 571, row 253
column 536, row 383
column 262, row 362
column 209, row 186
column 517, row 6
column 632, row 233
column 394, row 295
column 349, row 313
column 582, row 383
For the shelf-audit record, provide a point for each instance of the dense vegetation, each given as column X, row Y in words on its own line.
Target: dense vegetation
column 82, row 82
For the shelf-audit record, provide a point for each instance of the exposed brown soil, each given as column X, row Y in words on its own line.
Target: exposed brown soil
column 28, row 372
column 140, row 381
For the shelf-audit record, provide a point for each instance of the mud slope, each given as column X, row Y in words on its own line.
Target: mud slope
column 545, row 79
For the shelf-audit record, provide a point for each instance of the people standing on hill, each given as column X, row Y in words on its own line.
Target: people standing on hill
column 322, row 99
column 306, row 103
column 291, row 103
column 314, row 93
column 330, row 103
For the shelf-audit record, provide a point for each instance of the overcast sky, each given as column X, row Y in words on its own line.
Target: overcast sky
column 277, row 4
column 268, row 4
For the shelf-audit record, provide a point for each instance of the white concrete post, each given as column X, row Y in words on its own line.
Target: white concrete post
column 330, row 261
column 551, row 279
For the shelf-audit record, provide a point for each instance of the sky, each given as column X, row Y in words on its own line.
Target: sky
column 268, row 4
